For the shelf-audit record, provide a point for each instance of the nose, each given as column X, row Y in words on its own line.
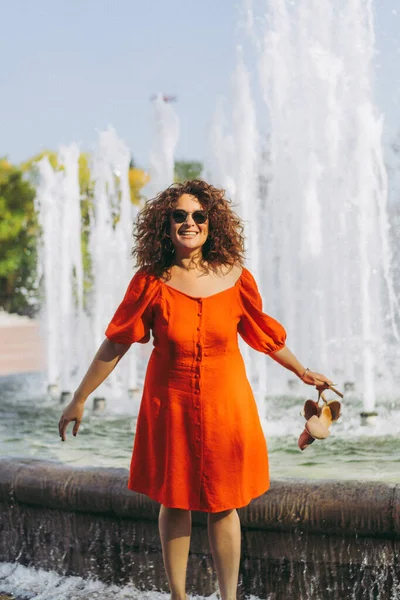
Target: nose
column 190, row 220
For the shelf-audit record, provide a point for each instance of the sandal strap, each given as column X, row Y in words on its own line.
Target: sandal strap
column 330, row 387
column 321, row 394
column 336, row 391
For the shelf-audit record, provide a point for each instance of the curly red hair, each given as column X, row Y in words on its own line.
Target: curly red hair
column 154, row 251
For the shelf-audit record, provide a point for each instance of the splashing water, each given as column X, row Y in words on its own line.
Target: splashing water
column 35, row 584
column 75, row 321
column 314, row 206
column 320, row 242
column 60, row 259
column 165, row 138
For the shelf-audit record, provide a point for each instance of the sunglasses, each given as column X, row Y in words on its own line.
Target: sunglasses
column 199, row 216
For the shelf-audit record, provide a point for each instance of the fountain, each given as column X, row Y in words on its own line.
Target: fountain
column 165, row 138
column 110, row 240
column 59, row 215
column 314, row 208
column 319, row 237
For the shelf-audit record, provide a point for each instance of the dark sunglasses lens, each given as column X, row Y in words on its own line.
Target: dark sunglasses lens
column 179, row 216
column 199, row 217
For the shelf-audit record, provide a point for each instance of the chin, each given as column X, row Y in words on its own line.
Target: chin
column 190, row 246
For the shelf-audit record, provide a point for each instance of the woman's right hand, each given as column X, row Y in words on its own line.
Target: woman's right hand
column 72, row 412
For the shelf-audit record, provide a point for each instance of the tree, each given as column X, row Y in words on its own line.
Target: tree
column 137, row 177
column 137, row 180
column 18, row 230
column 186, row 170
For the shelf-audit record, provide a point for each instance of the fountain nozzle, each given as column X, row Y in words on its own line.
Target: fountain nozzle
column 99, row 404
column 368, row 418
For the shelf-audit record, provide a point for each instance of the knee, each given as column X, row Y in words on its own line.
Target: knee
column 173, row 513
column 225, row 515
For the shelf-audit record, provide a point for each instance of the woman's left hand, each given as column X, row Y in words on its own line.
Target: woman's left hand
column 317, row 379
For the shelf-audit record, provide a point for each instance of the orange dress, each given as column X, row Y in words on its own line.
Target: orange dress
column 199, row 444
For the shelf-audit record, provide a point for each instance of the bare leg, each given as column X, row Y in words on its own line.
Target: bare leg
column 175, row 527
column 224, row 536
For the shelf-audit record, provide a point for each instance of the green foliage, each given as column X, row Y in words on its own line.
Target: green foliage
column 18, row 228
column 186, row 170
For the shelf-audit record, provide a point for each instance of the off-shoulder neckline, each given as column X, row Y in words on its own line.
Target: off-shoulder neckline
column 232, row 287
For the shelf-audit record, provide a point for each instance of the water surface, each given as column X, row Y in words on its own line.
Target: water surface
column 29, row 418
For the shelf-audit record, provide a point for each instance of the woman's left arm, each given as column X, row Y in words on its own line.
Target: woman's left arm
column 287, row 359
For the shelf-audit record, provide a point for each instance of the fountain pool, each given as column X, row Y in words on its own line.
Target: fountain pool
column 29, row 417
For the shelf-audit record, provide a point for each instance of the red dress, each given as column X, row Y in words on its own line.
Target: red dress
column 199, row 444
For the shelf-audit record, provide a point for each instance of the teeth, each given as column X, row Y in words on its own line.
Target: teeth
column 193, row 233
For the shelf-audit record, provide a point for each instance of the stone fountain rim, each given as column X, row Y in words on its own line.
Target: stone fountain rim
column 348, row 508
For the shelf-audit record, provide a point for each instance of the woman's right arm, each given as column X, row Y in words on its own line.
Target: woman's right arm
column 106, row 358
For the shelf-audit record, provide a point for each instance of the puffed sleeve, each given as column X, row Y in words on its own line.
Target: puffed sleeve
column 132, row 319
column 259, row 330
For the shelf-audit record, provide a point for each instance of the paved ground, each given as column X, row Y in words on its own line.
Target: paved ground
column 21, row 346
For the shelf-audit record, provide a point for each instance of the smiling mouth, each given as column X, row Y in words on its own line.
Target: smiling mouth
column 188, row 233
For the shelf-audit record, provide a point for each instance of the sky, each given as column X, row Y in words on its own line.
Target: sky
column 71, row 68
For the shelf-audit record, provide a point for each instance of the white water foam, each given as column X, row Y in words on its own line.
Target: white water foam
column 35, row 584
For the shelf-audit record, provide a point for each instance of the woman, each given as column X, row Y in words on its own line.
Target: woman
column 199, row 443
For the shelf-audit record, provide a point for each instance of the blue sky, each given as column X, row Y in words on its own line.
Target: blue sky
column 73, row 67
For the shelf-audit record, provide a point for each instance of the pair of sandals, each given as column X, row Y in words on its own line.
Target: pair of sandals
column 319, row 418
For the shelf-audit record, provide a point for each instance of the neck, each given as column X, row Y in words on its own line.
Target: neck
column 188, row 259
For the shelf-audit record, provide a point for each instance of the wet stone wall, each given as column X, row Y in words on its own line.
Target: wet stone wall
column 301, row 540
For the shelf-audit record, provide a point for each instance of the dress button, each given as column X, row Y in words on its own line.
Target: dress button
column 198, row 329
column 198, row 439
column 197, row 375
column 198, row 358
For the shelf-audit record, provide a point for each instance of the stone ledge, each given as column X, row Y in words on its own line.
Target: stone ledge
column 301, row 539
column 345, row 508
